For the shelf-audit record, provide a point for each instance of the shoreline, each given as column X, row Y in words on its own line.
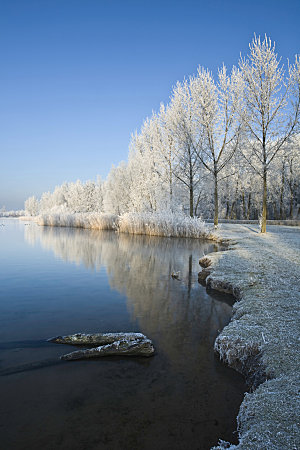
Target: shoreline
column 149, row 224
column 262, row 339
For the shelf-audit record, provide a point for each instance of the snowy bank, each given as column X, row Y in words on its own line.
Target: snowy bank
column 152, row 224
column 262, row 339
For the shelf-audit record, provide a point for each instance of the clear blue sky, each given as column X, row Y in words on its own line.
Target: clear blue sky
column 77, row 77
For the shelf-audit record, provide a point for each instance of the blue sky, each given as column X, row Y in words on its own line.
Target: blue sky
column 78, row 77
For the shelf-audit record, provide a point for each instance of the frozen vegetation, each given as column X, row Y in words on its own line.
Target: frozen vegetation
column 262, row 340
column 94, row 221
column 153, row 224
column 223, row 147
column 165, row 224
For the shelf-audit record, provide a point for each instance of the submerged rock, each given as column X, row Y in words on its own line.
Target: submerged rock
column 122, row 344
column 139, row 347
column 97, row 338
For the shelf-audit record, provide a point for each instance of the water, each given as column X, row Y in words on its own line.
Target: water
column 56, row 281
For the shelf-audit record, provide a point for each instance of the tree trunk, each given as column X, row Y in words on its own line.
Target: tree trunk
column 227, row 210
column 197, row 203
column 191, row 201
column 292, row 186
column 191, row 187
column 244, row 204
column 216, row 216
column 275, row 213
column 170, row 180
column 281, row 194
column 232, row 210
column 249, row 206
column 234, row 204
column 291, row 204
column 263, row 228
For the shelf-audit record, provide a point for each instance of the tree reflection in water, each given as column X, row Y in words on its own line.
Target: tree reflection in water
column 167, row 310
column 188, row 391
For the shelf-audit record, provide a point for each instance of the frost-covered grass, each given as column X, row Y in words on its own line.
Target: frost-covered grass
column 165, row 224
column 152, row 224
column 95, row 221
column 263, row 337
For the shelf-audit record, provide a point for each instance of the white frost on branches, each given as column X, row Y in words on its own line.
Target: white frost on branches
column 226, row 146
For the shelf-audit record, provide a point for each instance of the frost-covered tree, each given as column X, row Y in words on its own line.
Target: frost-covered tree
column 70, row 198
column 144, row 169
column 186, row 135
column 46, row 202
column 32, row 206
column 90, row 197
column 208, row 150
column 215, row 112
column 59, row 195
column 292, row 173
column 116, row 190
column 98, row 195
column 271, row 107
column 165, row 143
column 153, row 187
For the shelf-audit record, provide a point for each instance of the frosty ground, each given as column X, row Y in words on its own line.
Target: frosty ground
column 262, row 340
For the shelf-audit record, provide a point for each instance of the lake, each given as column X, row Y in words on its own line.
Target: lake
column 57, row 281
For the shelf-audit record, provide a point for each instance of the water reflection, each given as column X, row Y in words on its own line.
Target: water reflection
column 182, row 398
column 175, row 313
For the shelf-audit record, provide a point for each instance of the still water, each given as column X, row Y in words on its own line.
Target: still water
column 57, row 281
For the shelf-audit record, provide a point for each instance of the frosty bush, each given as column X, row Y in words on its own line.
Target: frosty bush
column 153, row 224
column 164, row 224
column 94, row 221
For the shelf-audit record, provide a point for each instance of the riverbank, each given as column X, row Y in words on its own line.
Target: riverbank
column 262, row 339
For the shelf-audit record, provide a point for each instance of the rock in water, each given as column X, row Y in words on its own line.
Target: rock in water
column 139, row 347
column 97, row 338
column 122, row 344
column 204, row 262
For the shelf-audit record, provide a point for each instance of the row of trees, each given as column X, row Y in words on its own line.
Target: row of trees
column 69, row 197
column 229, row 146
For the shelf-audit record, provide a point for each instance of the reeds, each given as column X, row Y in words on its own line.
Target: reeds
column 153, row 224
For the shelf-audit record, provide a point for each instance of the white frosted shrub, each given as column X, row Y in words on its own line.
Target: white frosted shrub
column 95, row 221
column 164, row 224
column 153, row 224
